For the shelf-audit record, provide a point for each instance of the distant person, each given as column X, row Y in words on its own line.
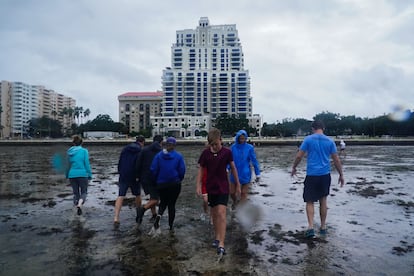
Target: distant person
column 168, row 168
column 146, row 178
column 128, row 176
column 244, row 157
column 78, row 172
column 342, row 147
column 319, row 148
column 215, row 159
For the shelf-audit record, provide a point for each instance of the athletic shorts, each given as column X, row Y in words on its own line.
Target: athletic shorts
column 316, row 187
column 153, row 192
column 214, row 200
column 134, row 185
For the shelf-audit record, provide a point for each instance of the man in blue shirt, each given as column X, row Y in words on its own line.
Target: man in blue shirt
column 319, row 148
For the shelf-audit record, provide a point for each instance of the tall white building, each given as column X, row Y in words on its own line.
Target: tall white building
column 21, row 102
column 207, row 75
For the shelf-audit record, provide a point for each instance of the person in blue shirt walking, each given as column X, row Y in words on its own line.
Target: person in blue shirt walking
column 319, row 148
column 244, row 156
column 168, row 169
column 78, row 172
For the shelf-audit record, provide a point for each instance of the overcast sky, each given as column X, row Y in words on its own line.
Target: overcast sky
column 304, row 57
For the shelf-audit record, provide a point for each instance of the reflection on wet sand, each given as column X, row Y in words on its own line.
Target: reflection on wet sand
column 375, row 205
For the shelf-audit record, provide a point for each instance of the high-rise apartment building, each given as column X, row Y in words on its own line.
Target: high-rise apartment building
column 207, row 76
column 21, row 102
column 52, row 105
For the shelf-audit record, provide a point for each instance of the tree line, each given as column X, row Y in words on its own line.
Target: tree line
column 335, row 125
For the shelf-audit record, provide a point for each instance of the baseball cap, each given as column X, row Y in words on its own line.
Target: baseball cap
column 171, row 140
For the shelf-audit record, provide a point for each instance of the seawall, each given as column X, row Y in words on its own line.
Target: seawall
column 255, row 141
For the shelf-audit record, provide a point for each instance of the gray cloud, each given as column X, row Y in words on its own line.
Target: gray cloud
column 304, row 57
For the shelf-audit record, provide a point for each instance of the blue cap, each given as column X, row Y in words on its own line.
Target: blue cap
column 171, row 140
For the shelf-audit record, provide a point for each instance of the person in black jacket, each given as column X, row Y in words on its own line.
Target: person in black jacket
column 127, row 175
column 146, row 179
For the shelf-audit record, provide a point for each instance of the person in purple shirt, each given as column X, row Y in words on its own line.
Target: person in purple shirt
column 215, row 160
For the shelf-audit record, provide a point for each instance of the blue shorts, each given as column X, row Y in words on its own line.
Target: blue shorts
column 134, row 185
column 316, row 187
column 214, row 200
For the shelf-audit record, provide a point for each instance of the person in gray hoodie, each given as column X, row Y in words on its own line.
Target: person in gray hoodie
column 78, row 172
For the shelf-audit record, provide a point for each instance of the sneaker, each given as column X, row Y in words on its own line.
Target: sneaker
column 215, row 243
column 79, row 211
column 157, row 222
column 140, row 214
column 221, row 251
column 310, row 233
column 172, row 230
column 323, row 232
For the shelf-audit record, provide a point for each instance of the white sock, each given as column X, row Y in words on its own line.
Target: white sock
column 80, row 202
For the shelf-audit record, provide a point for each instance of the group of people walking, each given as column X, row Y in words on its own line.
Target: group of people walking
column 156, row 170
column 223, row 174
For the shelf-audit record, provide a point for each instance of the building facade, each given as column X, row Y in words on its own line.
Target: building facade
column 180, row 126
column 207, row 75
column 21, row 102
column 137, row 108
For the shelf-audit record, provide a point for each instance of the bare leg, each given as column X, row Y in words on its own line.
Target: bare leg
column 153, row 209
column 205, row 203
column 151, row 204
column 323, row 211
column 233, row 193
column 244, row 192
column 118, row 205
column 310, row 213
column 219, row 222
column 138, row 201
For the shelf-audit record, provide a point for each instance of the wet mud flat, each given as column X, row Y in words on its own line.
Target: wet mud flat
column 370, row 220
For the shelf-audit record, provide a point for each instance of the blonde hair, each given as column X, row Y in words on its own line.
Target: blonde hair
column 213, row 135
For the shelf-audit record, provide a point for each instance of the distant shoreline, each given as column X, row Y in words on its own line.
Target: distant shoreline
column 196, row 142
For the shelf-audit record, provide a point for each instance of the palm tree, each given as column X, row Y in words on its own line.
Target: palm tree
column 86, row 113
column 53, row 113
column 81, row 114
column 76, row 113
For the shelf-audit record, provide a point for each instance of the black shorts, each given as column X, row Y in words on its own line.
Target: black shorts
column 153, row 192
column 124, row 185
column 150, row 188
column 316, row 187
column 214, row 200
